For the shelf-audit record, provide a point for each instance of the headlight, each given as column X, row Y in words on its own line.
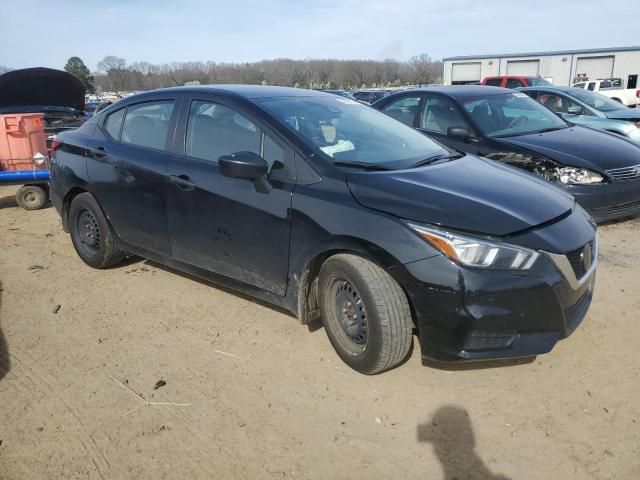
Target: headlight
column 577, row 176
column 548, row 169
column 479, row 253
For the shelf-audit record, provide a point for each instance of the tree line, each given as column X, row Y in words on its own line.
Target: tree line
column 115, row 74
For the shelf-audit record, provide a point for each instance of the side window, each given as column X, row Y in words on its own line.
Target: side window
column 146, row 124
column 579, row 85
column 274, row 155
column 513, row 83
column 553, row 102
column 483, row 114
column 439, row 114
column 592, row 86
column 494, row 82
column 113, row 123
column 531, row 94
column 403, row 109
column 214, row 130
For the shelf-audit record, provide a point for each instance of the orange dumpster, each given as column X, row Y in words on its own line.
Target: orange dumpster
column 22, row 142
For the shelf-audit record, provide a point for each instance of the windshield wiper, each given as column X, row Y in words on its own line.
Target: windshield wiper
column 521, row 134
column 372, row 167
column 436, row 158
column 550, row 129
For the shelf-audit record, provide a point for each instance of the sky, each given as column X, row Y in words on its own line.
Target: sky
column 46, row 33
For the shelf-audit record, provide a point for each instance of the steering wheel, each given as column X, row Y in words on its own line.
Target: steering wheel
column 520, row 121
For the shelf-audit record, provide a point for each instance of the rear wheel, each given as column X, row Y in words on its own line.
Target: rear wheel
column 91, row 235
column 31, row 197
column 365, row 313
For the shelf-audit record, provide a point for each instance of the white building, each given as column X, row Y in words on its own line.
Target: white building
column 561, row 68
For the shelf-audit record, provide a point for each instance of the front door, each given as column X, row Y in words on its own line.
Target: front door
column 437, row 116
column 220, row 223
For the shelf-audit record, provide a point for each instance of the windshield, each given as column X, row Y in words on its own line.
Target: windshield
column 596, row 100
column 347, row 131
column 538, row 82
column 511, row 114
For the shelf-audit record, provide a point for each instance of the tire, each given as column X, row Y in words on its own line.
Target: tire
column 32, row 197
column 365, row 313
column 91, row 235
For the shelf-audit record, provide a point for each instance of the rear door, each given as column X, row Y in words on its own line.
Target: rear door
column 127, row 167
column 220, row 223
column 405, row 109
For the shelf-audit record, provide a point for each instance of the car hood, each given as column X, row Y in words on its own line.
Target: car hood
column 469, row 194
column 580, row 147
column 632, row 114
column 42, row 87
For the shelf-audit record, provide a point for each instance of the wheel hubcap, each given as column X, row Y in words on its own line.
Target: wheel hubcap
column 30, row 198
column 351, row 312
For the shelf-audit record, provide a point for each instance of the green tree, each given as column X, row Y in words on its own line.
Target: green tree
column 75, row 66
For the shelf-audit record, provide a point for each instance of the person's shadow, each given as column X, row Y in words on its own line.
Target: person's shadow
column 451, row 434
column 4, row 351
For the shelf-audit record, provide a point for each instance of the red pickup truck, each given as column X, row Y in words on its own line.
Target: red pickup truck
column 515, row 81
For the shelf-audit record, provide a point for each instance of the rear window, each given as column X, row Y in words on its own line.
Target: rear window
column 147, row 124
column 493, row 82
column 538, row 82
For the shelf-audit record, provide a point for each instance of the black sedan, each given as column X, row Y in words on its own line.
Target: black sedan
column 331, row 210
column 600, row 169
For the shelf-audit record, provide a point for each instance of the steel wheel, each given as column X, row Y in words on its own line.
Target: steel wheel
column 350, row 315
column 87, row 232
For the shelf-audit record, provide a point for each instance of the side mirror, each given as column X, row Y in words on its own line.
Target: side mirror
column 460, row 133
column 575, row 110
column 246, row 165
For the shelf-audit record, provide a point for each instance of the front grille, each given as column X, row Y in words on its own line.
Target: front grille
column 489, row 339
column 575, row 313
column 624, row 173
column 576, row 259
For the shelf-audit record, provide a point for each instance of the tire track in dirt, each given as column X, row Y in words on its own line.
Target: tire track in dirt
column 35, row 374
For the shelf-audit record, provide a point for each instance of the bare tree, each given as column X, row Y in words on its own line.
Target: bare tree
column 114, row 74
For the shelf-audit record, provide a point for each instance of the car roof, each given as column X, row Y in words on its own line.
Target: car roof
column 247, row 91
column 553, row 88
column 511, row 76
column 461, row 92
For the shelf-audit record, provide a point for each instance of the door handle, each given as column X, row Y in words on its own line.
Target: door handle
column 182, row 182
column 98, row 152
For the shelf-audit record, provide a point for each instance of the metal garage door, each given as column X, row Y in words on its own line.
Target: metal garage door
column 524, row 68
column 465, row 72
column 595, row 67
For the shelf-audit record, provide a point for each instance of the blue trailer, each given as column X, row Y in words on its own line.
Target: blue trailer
column 34, row 192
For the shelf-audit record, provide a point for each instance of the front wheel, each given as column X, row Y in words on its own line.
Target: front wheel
column 91, row 235
column 365, row 313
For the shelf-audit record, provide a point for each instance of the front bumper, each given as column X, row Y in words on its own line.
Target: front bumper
column 610, row 201
column 469, row 314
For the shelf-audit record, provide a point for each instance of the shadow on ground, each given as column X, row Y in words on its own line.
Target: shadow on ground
column 5, row 364
column 450, row 432
column 10, row 202
column 478, row 364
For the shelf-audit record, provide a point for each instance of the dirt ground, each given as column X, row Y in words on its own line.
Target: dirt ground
column 265, row 397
